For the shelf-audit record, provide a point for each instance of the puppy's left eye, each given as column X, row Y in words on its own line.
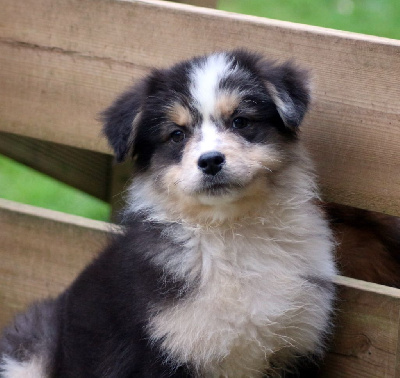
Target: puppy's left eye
column 177, row 136
column 240, row 123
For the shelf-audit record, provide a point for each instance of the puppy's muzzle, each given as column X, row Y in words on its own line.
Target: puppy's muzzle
column 210, row 163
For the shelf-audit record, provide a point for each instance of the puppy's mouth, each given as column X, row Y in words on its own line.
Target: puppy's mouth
column 218, row 187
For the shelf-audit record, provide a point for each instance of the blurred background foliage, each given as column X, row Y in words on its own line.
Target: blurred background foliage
column 376, row 17
column 23, row 184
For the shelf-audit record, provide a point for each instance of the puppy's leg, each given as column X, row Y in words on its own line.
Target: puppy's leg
column 28, row 347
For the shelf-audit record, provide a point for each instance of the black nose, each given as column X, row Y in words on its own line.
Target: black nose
column 211, row 162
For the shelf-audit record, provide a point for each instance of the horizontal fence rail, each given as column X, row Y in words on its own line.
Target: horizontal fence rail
column 41, row 252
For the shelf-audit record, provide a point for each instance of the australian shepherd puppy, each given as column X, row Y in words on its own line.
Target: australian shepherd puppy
column 225, row 266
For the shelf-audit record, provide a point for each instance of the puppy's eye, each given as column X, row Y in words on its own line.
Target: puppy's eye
column 177, row 136
column 240, row 123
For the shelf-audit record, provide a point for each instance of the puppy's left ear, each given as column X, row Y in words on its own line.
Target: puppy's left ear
column 289, row 88
column 121, row 120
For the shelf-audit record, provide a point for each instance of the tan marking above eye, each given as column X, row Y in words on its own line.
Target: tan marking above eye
column 180, row 115
column 226, row 104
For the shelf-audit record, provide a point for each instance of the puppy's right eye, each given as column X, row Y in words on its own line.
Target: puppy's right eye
column 177, row 136
column 240, row 123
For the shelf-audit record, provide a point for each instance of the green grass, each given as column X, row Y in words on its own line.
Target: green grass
column 22, row 184
column 377, row 17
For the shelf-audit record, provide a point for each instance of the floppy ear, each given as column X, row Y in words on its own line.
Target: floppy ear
column 121, row 119
column 289, row 89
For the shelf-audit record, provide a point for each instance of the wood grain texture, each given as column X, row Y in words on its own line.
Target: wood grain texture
column 41, row 252
column 199, row 3
column 366, row 338
column 64, row 60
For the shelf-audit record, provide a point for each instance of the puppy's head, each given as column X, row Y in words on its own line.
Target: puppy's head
column 210, row 131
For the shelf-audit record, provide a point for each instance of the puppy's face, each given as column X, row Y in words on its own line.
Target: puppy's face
column 212, row 130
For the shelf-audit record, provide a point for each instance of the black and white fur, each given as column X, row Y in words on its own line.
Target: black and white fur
column 225, row 268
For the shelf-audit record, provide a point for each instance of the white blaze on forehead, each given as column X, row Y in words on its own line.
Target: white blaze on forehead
column 210, row 137
column 205, row 78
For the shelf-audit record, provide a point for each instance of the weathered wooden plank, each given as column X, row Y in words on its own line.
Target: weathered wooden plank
column 366, row 338
column 57, row 96
column 199, row 3
column 41, row 252
column 85, row 170
column 64, row 60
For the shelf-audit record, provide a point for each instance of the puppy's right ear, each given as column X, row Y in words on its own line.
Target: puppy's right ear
column 121, row 120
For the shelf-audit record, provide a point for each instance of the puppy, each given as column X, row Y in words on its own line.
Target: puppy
column 225, row 266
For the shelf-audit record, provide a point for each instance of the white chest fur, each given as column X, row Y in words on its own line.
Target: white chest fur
column 254, row 296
